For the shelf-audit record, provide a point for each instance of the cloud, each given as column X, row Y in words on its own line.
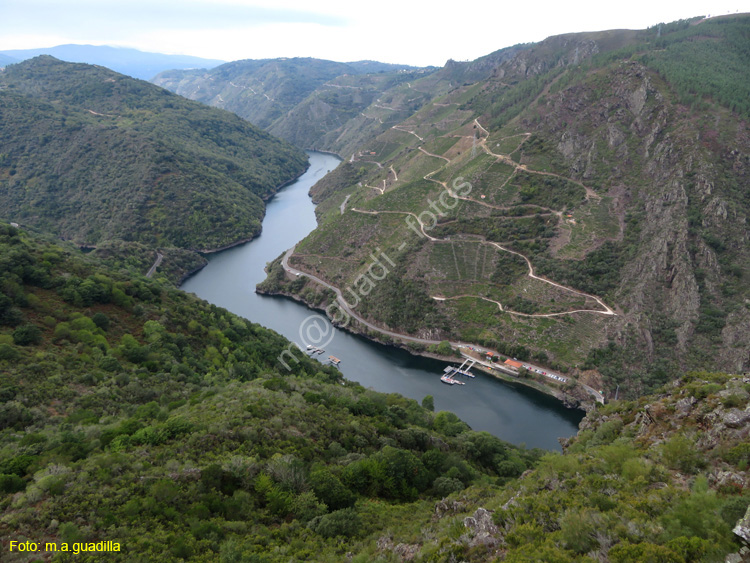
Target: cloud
column 118, row 18
column 388, row 30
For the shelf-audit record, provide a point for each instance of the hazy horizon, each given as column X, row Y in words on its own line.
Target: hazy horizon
column 389, row 32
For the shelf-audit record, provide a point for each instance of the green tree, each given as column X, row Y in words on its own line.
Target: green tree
column 344, row 522
column 27, row 334
column 330, row 490
column 445, row 348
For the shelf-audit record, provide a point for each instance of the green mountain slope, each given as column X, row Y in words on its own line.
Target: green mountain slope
column 581, row 204
column 651, row 480
column 257, row 90
column 335, row 111
column 309, row 102
column 94, row 156
column 133, row 413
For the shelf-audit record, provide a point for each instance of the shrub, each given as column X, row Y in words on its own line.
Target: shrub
column 11, row 483
column 330, row 490
column 739, row 454
column 345, row 522
column 637, row 553
column 445, row 486
column 108, row 363
column 680, row 453
column 27, row 334
column 8, row 353
column 101, row 320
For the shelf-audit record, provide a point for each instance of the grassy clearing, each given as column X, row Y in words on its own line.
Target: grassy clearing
column 467, row 168
column 418, row 165
column 590, row 224
column 505, row 144
column 548, row 191
column 407, row 197
column 440, row 145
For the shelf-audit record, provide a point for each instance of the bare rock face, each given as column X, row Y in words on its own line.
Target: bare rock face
column 405, row 551
column 725, row 478
column 684, row 406
column 446, row 506
column 736, row 418
column 483, row 529
column 742, row 529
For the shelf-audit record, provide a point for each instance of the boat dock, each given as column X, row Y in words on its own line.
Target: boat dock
column 334, row 360
column 463, row 369
column 314, row 350
column 450, row 380
column 450, row 372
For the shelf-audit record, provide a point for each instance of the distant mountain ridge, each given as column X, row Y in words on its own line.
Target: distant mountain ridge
column 132, row 62
column 265, row 91
column 6, row 60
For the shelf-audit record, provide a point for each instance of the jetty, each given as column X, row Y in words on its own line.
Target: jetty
column 450, row 373
column 450, row 380
column 463, row 369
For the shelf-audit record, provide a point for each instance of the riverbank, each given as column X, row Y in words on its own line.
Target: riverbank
column 512, row 412
column 327, row 152
column 571, row 400
column 265, row 199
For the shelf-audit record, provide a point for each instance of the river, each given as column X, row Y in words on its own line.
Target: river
column 514, row 413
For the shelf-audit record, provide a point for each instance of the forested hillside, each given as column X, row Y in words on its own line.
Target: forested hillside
column 263, row 91
column 603, row 232
column 133, row 413
column 308, row 102
column 94, row 156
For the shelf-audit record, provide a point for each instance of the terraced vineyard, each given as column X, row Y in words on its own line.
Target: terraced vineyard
column 567, row 211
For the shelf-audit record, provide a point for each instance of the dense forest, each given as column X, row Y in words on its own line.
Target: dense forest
column 131, row 412
column 94, row 156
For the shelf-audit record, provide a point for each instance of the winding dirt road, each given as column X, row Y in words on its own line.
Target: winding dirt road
column 344, row 305
column 346, row 308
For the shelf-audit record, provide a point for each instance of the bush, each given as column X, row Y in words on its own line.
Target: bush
column 8, row 353
column 578, row 530
column 14, row 415
column 11, row 483
column 739, row 454
column 344, row 522
column 108, row 363
column 27, row 334
column 101, row 320
column 629, row 553
column 445, row 486
column 330, row 490
column 681, row 454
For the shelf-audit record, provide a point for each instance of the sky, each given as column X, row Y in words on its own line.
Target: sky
column 395, row 31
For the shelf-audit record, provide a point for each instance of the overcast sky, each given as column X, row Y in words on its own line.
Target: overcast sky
column 396, row 31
